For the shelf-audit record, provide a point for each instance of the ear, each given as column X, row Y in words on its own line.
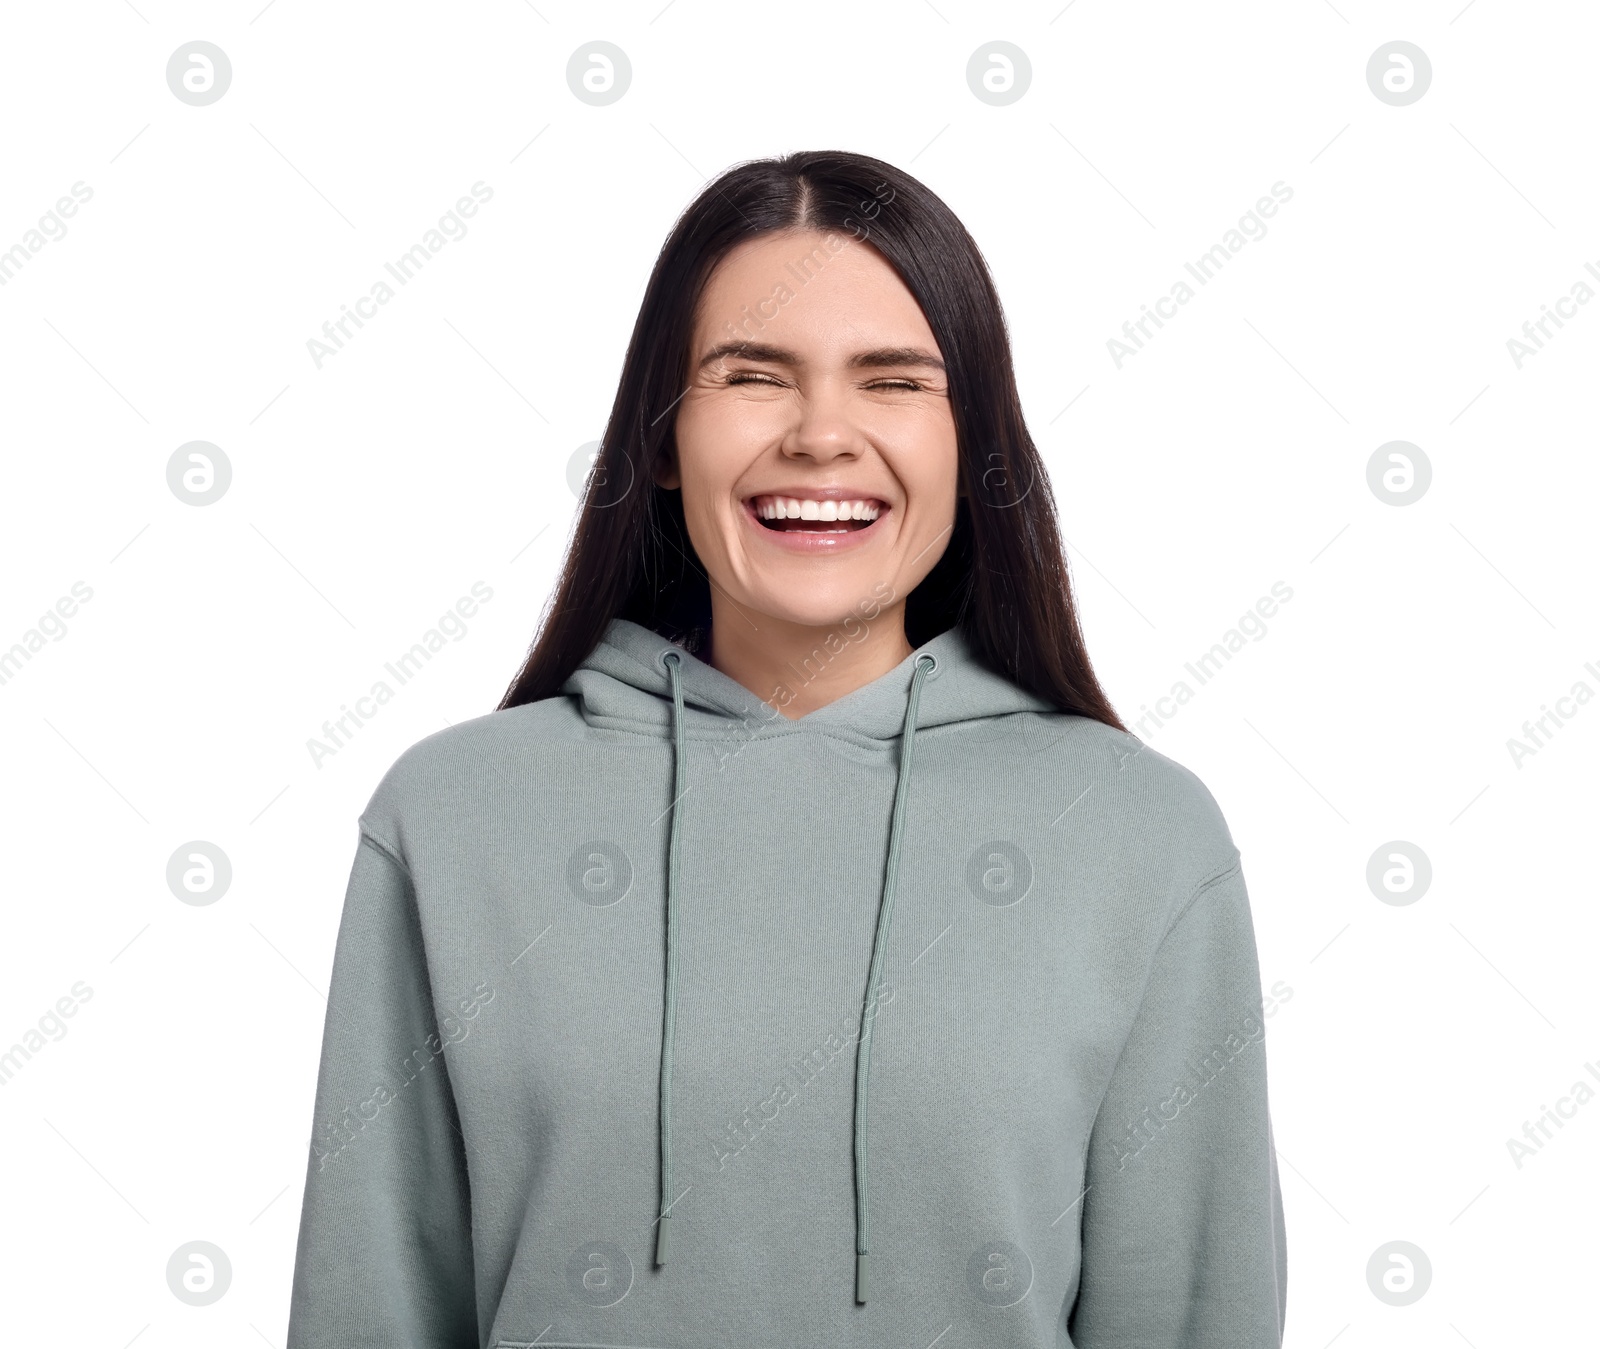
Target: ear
column 666, row 470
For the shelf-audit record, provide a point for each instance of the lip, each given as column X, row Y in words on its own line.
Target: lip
column 811, row 542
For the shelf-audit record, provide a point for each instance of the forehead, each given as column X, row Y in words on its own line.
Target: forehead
column 809, row 286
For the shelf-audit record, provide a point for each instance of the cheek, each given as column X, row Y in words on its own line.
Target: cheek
column 717, row 437
column 928, row 465
column 718, row 440
column 706, row 475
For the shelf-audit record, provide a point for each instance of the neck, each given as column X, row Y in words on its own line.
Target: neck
column 797, row 667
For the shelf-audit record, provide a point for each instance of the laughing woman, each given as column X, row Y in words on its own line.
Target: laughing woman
column 803, row 952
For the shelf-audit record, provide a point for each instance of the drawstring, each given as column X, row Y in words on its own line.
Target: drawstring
column 924, row 666
column 891, row 870
column 669, row 1016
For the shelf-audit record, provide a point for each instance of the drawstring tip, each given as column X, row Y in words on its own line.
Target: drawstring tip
column 861, row 1276
column 661, row 1240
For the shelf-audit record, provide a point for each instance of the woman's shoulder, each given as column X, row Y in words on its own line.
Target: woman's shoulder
column 1128, row 796
column 1114, row 760
column 455, row 767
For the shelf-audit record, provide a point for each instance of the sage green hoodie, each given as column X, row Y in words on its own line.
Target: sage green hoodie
column 931, row 1016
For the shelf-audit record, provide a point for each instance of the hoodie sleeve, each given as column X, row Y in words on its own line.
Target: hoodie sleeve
column 385, row 1249
column 1183, row 1237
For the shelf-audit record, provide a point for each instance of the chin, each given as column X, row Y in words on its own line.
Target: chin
column 846, row 606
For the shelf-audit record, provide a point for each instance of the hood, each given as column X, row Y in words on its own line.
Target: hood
column 623, row 681
column 636, row 676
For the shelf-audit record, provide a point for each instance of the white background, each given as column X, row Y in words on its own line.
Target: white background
column 432, row 451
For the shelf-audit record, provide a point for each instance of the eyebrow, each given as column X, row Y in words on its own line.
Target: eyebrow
column 876, row 359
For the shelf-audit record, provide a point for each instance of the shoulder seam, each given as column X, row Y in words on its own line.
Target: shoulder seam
column 1212, row 879
column 393, row 854
column 1215, row 878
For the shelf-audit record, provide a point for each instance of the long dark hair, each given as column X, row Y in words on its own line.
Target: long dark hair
column 1002, row 577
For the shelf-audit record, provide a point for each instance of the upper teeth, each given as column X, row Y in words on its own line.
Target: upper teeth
column 796, row 508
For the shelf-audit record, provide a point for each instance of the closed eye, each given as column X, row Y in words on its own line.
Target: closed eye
column 755, row 377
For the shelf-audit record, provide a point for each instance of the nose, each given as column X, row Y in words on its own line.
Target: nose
column 823, row 430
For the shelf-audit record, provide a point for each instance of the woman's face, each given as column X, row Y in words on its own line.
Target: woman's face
column 816, row 450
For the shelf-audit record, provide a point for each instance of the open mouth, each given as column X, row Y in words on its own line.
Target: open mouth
column 803, row 515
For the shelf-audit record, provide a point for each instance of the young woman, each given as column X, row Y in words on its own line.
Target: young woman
column 803, row 953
